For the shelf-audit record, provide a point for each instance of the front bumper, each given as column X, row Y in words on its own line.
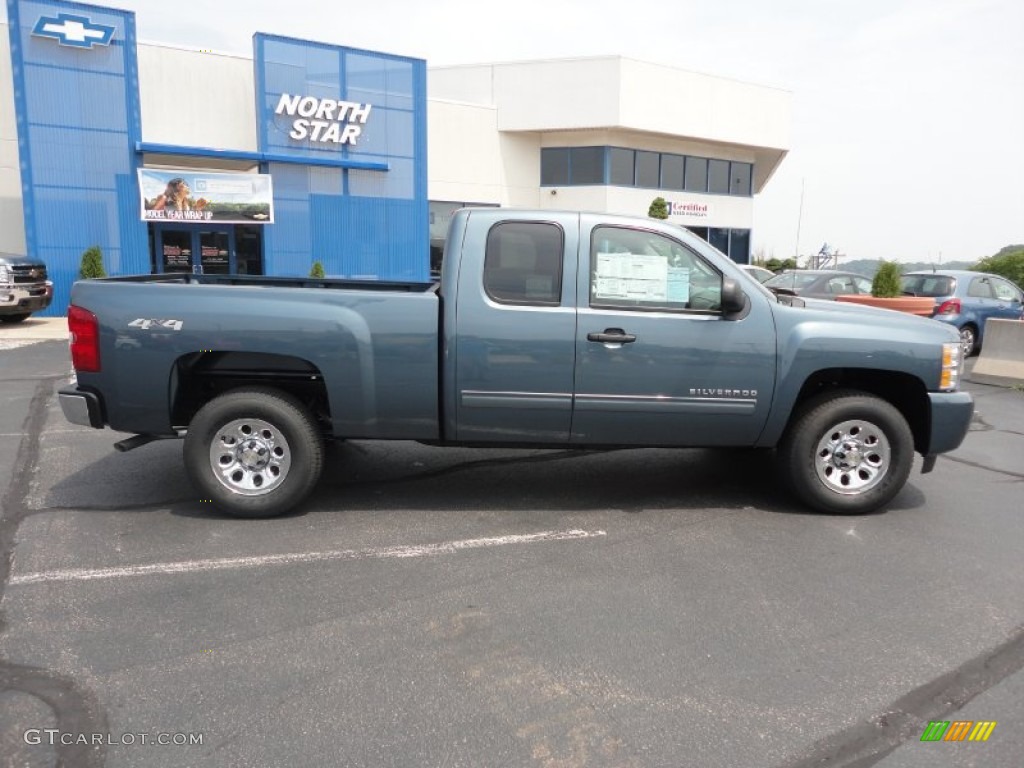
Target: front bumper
column 25, row 298
column 951, row 414
column 81, row 407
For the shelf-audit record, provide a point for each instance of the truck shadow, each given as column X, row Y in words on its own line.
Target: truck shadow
column 387, row 476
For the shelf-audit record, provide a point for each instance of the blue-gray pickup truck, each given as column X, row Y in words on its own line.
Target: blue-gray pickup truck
column 546, row 329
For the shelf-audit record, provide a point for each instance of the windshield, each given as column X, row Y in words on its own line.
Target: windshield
column 927, row 285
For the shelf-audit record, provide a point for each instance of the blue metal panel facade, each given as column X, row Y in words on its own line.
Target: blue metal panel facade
column 76, row 99
column 369, row 223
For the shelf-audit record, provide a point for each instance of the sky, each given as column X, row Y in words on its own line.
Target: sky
column 907, row 136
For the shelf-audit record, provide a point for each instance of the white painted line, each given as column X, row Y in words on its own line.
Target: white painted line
column 195, row 566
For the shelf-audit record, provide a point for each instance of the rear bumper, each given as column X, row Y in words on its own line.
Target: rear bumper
column 951, row 414
column 81, row 407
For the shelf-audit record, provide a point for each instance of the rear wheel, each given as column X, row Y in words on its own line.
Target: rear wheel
column 254, row 452
column 12, row 319
column 847, row 452
column 968, row 340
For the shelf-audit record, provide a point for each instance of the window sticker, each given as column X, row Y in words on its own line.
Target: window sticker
column 640, row 277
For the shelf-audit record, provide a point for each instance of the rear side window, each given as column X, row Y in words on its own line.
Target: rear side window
column 523, row 263
column 980, row 288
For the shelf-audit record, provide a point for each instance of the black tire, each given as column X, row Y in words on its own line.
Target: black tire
column 847, row 452
column 270, row 452
column 12, row 319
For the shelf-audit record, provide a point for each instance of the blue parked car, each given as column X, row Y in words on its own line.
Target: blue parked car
column 966, row 300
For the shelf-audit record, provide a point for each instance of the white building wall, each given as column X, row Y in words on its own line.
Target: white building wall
column 197, row 99
column 12, row 214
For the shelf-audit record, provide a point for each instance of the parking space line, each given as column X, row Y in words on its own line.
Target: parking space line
column 401, row 551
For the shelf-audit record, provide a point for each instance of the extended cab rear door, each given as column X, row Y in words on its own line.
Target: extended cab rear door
column 657, row 363
column 514, row 328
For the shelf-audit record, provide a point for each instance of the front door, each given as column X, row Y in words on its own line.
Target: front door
column 200, row 249
column 656, row 361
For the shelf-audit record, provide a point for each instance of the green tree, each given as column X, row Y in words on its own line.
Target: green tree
column 886, row 284
column 317, row 271
column 1008, row 263
column 658, row 209
column 92, row 264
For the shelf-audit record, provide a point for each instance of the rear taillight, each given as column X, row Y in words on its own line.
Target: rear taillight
column 949, row 307
column 85, row 340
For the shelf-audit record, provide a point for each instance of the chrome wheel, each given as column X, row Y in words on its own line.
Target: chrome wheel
column 250, row 457
column 967, row 340
column 852, row 457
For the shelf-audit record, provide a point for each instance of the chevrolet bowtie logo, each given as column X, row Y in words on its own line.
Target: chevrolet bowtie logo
column 76, row 31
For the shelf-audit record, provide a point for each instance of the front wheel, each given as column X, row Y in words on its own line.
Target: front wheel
column 847, row 453
column 254, row 452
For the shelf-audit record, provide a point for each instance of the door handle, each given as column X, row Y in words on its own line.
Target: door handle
column 612, row 336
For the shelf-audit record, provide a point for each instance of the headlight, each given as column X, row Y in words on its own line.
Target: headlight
column 952, row 359
column 5, row 275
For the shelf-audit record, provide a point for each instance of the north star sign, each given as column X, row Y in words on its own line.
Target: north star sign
column 76, row 31
column 324, row 120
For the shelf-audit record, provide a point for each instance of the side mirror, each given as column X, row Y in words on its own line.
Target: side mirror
column 734, row 300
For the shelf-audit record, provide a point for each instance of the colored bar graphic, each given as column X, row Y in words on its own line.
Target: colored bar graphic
column 982, row 730
column 958, row 730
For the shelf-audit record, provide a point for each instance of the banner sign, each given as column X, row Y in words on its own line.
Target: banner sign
column 190, row 196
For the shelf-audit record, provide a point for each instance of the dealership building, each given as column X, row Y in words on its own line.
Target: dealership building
column 172, row 159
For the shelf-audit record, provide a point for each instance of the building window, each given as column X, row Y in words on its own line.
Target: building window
column 621, row 165
column 739, row 245
column 554, row 167
column 523, row 263
column 739, row 179
column 647, row 170
column 586, row 165
column 672, row 167
column 718, row 177
column 719, row 238
column 696, row 174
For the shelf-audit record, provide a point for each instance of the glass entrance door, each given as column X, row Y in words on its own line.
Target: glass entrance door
column 203, row 250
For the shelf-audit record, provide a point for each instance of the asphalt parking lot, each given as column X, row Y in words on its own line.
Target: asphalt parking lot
column 433, row 607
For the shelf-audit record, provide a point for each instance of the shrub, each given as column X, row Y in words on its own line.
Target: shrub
column 92, row 264
column 658, row 209
column 317, row 271
column 886, row 284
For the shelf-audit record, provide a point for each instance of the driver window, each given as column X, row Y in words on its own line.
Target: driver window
column 634, row 269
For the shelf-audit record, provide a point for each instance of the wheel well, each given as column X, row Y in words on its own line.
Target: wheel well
column 199, row 377
column 904, row 391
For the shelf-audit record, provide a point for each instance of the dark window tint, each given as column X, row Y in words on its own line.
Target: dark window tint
column 647, row 171
column 523, row 263
column 635, row 269
column 696, row 174
column 621, row 166
column 586, row 165
column 739, row 246
column 739, row 180
column 554, row 166
column 672, row 167
column 719, row 238
column 718, row 176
